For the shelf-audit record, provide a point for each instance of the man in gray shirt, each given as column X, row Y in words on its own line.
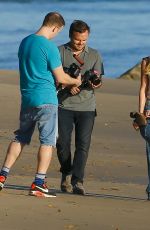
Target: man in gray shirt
column 78, row 108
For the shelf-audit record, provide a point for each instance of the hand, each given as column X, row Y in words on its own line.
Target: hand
column 79, row 82
column 74, row 90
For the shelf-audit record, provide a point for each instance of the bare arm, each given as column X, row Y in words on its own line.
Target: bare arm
column 75, row 90
column 143, row 88
column 64, row 78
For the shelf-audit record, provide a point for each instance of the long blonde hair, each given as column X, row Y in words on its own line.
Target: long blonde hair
column 147, row 66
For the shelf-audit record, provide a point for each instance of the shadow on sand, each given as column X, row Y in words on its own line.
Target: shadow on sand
column 96, row 195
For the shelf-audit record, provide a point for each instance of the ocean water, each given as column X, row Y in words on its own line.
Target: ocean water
column 119, row 28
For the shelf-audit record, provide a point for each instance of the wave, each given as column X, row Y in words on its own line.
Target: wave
column 28, row 1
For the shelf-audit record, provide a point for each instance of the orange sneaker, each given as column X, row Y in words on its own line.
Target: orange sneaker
column 2, row 181
column 40, row 191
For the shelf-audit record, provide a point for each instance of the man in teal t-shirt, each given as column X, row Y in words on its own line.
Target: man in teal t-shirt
column 37, row 82
column 40, row 68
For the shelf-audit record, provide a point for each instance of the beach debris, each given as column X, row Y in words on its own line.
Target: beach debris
column 115, row 188
column 91, row 175
column 104, row 189
column 71, row 202
column 70, row 226
column 51, row 206
column 110, row 189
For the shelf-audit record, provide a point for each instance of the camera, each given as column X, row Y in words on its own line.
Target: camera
column 91, row 76
column 133, row 114
column 73, row 70
column 139, row 119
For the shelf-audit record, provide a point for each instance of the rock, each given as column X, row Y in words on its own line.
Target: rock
column 133, row 73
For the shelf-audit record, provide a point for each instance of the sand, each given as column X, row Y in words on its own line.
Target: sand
column 115, row 177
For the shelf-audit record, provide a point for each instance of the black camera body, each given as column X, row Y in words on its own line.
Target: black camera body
column 73, row 70
column 138, row 119
column 91, row 76
column 133, row 114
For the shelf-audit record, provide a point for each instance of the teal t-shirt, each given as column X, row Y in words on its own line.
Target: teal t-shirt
column 38, row 56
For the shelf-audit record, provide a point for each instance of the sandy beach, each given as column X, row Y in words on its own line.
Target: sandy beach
column 116, row 172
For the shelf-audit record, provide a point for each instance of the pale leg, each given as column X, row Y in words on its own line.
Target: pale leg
column 13, row 152
column 44, row 158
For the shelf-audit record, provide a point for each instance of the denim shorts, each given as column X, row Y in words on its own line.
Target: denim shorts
column 46, row 118
column 147, row 105
column 145, row 131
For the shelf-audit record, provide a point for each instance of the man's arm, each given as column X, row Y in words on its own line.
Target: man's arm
column 64, row 78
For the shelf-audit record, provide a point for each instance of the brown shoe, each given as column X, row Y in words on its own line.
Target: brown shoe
column 78, row 189
column 66, row 185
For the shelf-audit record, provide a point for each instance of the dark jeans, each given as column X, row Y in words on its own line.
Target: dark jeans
column 145, row 132
column 83, row 122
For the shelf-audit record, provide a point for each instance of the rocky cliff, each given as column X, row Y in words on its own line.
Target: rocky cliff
column 133, row 73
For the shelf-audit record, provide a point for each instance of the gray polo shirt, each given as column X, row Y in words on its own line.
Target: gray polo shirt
column 85, row 100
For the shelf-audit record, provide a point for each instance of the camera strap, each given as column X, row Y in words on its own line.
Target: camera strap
column 79, row 60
